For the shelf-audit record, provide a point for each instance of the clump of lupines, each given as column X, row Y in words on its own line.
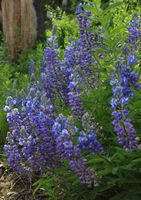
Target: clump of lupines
column 38, row 139
column 37, row 142
column 31, row 147
column 64, row 131
column 124, row 79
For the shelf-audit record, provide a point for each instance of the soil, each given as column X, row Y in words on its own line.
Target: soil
column 12, row 187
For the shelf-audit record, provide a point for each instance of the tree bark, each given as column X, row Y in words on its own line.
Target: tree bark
column 41, row 17
column 19, row 25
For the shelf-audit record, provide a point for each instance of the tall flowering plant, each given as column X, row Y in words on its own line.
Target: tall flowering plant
column 31, row 149
column 66, row 115
column 123, row 82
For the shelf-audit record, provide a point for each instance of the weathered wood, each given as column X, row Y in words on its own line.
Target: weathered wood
column 19, row 24
column 28, row 22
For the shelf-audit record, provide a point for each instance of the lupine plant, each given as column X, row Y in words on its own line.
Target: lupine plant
column 78, row 112
column 29, row 143
column 124, row 81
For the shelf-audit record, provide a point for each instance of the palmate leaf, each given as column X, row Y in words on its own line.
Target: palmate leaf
column 106, row 171
column 102, row 188
column 105, row 21
column 96, row 160
column 91, row 9
column 114, row 5
column 118, row 30
column 71, row 177
column 95, row 2
column 136, row 162
column 102, row 49
column 118, row 157
column 98, row 69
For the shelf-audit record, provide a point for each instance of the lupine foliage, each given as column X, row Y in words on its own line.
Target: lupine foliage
column 76, row 124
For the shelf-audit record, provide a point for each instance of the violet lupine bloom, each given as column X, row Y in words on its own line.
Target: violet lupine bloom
column 53, row 73
column 74, row 97
column 12, row 149
column 70, row 63
column 31, row 146
column 64, row 131
column 64, row 137
column 86, row 43
column 87, row 139
column 123, row 80
column 86, row 37
column 89, row 142
column 32, row 67
column 134, row 33
column 16, row 162
column 83, row 172
column 78, row 60
column 73, row 78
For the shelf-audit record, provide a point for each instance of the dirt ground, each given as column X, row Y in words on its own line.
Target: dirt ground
column 13, row 187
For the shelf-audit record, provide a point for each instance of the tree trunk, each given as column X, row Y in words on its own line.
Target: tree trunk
column 19, row 25
column 41, row 17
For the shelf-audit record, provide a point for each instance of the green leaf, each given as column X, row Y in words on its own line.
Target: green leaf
column 103, row 188
column 114, row 5
column 105, row 171
column 117, row 156
column 90, row 8
column 95, row 160
column 125, row 195
column 115, row 170
column 87, row 1
column 98, row 69
column 135, row 162
column 36, row 189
